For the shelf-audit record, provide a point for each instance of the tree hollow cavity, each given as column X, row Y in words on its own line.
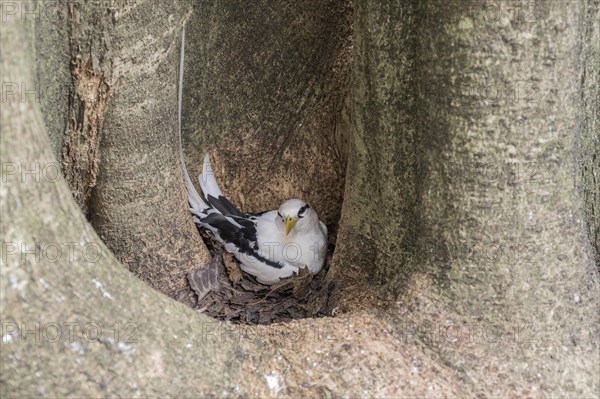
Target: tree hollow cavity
column 268, row 98
column 266, row 93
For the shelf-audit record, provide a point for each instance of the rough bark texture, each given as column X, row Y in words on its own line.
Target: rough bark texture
column 53, row 69
column 264, row 87
column 69, row 276
column 461, row 190
column 119, row 153
column 464, row 203
column 589, row 140
column 88, row 99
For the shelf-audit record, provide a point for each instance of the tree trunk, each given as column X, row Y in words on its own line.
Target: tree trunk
column 462, row 188
column 462, row 262
column 589, row 140
column 118, row 143
column 263, row 90
column 94, row 329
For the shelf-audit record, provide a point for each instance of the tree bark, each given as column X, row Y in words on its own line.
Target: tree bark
column 117, row 336
column 263, row 91
column 462, row 259
column 589, row 139
column 462, row 188
column 119, row 147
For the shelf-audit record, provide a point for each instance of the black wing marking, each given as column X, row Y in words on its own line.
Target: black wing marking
column 269, row 262
column 224, row 206
column 244, row 237
column 255, row 214
column 248, row 226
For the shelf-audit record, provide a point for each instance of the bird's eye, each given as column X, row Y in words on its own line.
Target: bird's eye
column 301, row 211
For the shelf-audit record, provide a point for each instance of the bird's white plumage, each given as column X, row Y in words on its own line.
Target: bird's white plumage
column 269, row 245
column 207, row 180
column 195, row 200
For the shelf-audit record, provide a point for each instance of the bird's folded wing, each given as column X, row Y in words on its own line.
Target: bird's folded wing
column 223, row 205
column 238, row 231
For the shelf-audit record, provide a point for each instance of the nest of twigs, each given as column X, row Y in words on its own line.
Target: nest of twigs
column 225, row 292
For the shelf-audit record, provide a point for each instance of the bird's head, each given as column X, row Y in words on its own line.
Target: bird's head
column 296, row 213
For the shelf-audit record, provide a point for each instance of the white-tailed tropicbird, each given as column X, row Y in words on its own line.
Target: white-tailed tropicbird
column 269, row 245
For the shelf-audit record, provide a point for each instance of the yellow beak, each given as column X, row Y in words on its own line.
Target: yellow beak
column 289, row 224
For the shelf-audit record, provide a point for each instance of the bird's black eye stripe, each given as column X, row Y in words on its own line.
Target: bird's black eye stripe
column 301, row 211
column 279, row 214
